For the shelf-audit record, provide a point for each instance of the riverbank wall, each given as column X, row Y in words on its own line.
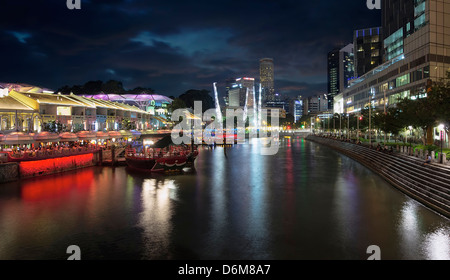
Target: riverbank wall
column 13, row 171
column 429, row 184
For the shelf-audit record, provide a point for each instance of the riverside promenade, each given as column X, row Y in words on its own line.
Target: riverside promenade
column 428, row 184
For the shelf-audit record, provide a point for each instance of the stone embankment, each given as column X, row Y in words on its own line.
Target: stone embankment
column 428, row 184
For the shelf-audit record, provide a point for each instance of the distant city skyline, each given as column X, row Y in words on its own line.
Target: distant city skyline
column 174, row 46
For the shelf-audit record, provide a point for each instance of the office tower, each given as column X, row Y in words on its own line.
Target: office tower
column 237, row 94
column 266, row 72
column 419, row 48
column 368, row 49
column 296, row 109
column 340, row 71
column 399, row 19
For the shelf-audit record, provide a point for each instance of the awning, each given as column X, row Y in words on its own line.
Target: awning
column 126, row 133
column 17, row 138
column 136, row 134
column 114, row 134
column 102, row 135
column 163, row 120
column 68, row 137
column 86, row 135
column 46, row 137
column 164, row 142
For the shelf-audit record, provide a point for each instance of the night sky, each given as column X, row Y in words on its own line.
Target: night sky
column 173, row 46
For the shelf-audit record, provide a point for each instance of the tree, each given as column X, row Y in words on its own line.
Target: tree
column 420, row 113
column 92, row 87
column 177, row 103
column 128, row 125
column 190, row 96
column 113, row 86
column 440, row 98
column 53, row 126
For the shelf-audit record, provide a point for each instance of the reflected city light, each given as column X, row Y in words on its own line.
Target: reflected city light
column 155, row 217
column 437, row 244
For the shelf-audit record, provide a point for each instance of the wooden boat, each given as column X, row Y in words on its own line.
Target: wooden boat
column 162, row 156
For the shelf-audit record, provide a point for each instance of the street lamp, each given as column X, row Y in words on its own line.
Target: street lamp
column 410, row 135
column 441, row 132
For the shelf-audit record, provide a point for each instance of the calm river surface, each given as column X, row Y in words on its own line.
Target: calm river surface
column 305, row 203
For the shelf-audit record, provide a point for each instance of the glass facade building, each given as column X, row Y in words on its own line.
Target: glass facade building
column 368, row 50
column 340, row 71
column 267, row 76
column 425, row 57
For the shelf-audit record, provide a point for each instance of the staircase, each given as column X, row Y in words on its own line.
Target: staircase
column 428, row 184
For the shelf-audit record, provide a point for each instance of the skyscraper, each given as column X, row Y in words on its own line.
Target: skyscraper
column 417, row 49
column 400, row 18
column 368, row 49
column 266, row 72
column 237, row 94
column 340, row 71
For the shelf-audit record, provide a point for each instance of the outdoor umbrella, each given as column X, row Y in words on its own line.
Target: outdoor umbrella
column 102, row 135
column 46, row 137
column 17, row 138
column 86, row 135
column 68, row 137
column 115, row 134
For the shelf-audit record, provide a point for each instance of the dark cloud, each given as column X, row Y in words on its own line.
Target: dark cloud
column 173, row 46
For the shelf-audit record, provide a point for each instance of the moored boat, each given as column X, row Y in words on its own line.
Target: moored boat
column 161, row 155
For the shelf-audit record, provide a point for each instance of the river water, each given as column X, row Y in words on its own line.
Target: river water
column 307, row 202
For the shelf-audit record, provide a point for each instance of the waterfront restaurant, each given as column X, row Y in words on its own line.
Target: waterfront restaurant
column 28, row 109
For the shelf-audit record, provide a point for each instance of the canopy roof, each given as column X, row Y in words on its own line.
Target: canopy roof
column 86, row 135
column 10, row 103
column 46, row 136
column 131, row 97
column 164, row 142
column 68, row 137
column 17, row 138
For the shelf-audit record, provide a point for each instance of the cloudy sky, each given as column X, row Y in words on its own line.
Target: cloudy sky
column 173, row 46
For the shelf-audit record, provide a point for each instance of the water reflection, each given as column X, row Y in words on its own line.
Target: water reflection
column 306, row 202
column 155, row 218
column 437, row 244
column 415, row 241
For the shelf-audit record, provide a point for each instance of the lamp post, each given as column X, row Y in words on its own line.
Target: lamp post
column 441, row 133
column 410, row 136
column 348, row 126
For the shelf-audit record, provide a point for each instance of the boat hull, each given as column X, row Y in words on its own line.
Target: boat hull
column 165, row 164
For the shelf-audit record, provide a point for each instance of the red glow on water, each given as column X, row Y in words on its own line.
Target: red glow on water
column 48, row 166
column 56, row 186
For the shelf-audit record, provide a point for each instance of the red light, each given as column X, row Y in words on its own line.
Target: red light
column 361, row 118
column 48, row 166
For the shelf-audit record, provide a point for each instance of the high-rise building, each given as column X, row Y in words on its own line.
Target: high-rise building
column 266, row 73
column 228, row 85
column 421, row 56
column 400, row 18
column 315, row 104
column 237, row 94
column 296, row 108
column 368, row 48
column 340, row 71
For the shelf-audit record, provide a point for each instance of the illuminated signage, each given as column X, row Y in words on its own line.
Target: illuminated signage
column 64, row 111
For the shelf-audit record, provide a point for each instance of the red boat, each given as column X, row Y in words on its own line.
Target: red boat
column 162, row 156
